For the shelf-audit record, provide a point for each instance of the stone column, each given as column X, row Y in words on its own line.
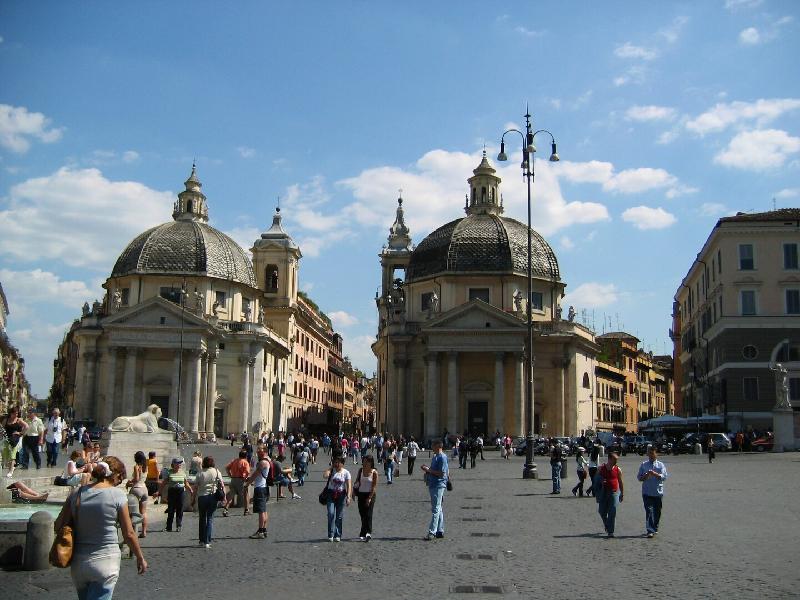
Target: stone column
column 90, row 407
column 244, row 416
column 106, row 413
column 499, row 394
column 201, row 422
column 400, row 400
column 255, row 393
column 129, row 386
column 518, row 426
column 173, row 395
column 452, row 392
column 432, row 430
column 194, row 383
column 211, row 391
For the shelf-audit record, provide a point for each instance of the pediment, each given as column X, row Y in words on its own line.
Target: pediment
column 150, row 312
column 474, row 315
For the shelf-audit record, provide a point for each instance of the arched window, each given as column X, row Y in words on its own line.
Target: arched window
column 586, row 380
column 271, row 278
column 188, row 206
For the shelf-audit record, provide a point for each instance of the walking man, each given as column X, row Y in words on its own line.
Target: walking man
column 652, row 474
column 412, row 450
column 54, row 435
column 436, row 475
column 555, row 467
column 239, row 471
column 33, row 441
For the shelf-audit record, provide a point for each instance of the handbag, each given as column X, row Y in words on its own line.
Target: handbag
column 64, row 542
column 60, row 480
column 219, row 490
column 325, row 493
column 449, row 484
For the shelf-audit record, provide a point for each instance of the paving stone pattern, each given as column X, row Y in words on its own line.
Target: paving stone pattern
column 729, row 530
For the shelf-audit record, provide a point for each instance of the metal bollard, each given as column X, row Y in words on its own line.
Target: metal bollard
column 698, row 449
column 38, row 540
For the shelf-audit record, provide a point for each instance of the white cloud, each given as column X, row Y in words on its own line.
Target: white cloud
column 359, row 350
column 100, row 158
column 667, row 137
column 342, row 319
column 672, row 32
column 246, row 152
column 130, row 156
column 650, row 113
column 628, row 181
column 680, row 190
column 712, row 209
column 244, row 236
column 18, row 126
column 628, row 50
column 78, row 217
column 38, row 286
column 644, row 217
column 566, row 243
column 633, row 74
column 739, row 4
column 530, row 32
column 592, row 295
column 758, row 150
column 749, row 36
column 788, row 193
column 724, row 115
column 38, row 344
column 434, row 188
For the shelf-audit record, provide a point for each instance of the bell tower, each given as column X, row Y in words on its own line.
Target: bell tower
column 191, row 204
column 484, row 190
column 276, row 261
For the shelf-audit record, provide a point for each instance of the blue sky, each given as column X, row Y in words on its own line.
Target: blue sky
column 667, row 116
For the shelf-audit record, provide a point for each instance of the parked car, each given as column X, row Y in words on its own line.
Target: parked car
column 722, row 442
column 762, row 444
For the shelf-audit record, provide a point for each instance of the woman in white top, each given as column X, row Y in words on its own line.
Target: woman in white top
column 205, row 484
column 365, row 487
column 340, row 493
column 583, row 467
column 77, row 471
column 94, row 511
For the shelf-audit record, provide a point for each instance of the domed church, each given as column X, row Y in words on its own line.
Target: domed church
column 453, row 328
column 185, row 324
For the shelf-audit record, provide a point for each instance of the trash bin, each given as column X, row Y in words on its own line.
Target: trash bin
column 563, row 467
column 698, row 448
column 602, row 451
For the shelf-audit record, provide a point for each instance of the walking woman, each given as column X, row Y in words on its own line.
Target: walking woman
column 610, row 492
column 15, row 429
column 594, row 457
column 365, row 486
column 582, row 466
column 139, row 487
column 175, row 483
column 205, row 487
column 94, row 511
column 340, row 494
column 389, row 458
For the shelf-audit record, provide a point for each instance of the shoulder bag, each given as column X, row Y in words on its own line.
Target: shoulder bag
column 219, row 490
column 325, row 493
column 64, row 542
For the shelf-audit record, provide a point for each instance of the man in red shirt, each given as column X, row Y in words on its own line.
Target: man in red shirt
column 239, row 471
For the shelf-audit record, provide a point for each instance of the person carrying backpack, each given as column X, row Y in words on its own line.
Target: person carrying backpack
column 261, row 478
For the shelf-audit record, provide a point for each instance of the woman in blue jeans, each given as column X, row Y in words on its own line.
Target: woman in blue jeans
column 609, row 492
column 340, row 493
column 204, row 487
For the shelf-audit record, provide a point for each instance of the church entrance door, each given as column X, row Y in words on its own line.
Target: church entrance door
column 477, row 418
column 163, row 404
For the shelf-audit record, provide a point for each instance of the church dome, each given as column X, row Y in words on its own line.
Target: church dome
column 186, row 246
column 482, row 242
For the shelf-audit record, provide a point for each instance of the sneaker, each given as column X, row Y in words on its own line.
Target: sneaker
column 611, row 535
column 258, row 535
column 296, row 497
column 439, row 534
column 207, row 546
column 429, row 537
column 650, row 534
column 178, row 529
column 368, row 537
column 330, row 539
column 225, row 512
column 337, row 539
column 362, row 538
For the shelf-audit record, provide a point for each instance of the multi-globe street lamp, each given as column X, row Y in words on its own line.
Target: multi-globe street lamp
column 528, row 150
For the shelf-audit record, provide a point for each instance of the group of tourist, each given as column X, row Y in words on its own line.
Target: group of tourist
column 25, row 439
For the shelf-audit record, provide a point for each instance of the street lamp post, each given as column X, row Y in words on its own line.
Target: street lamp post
column 528, row 150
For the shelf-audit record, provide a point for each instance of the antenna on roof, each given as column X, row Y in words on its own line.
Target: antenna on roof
column 774, row 207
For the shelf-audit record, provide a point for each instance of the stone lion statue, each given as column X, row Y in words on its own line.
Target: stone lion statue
column 147, row 422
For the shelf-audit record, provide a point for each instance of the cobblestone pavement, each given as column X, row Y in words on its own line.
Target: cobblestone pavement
column 729, row 530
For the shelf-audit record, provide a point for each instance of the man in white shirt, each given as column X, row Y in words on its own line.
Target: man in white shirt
column 33, row 441
column 411, row 448
column 53, row 436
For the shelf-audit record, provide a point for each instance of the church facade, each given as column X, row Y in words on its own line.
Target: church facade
column 451, row 341
column 191, row 324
